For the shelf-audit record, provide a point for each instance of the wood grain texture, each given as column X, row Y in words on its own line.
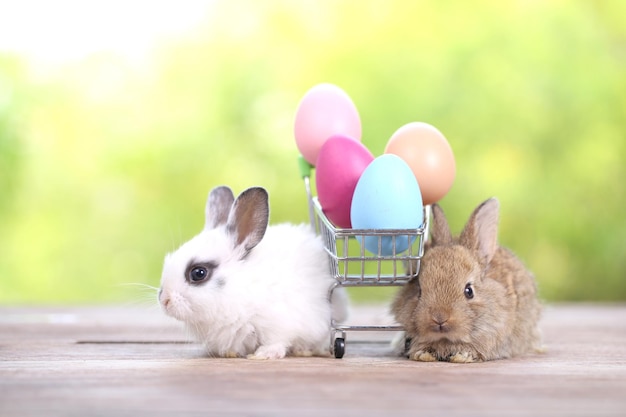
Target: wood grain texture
column 118, row 361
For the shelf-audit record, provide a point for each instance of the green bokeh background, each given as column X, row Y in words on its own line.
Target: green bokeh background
column 105, row 164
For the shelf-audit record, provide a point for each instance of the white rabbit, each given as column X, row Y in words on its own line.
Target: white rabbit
column 244, row 289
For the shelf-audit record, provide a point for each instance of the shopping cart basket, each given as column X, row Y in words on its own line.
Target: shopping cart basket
column 352, row 266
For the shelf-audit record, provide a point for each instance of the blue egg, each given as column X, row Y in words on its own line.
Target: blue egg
column 387, row 196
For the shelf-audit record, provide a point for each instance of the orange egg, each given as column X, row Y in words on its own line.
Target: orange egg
column 424, row 148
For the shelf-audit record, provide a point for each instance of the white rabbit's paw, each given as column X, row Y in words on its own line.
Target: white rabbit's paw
column 231, row 354
column 463, row 357
column 307, row 353
column 304, row 353
column 276, row 351
column 422, row 356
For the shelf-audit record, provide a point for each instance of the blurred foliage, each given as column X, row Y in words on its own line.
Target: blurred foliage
column 105, row 163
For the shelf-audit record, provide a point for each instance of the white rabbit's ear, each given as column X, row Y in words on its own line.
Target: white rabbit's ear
column 481, row 232
column 248, row 218
column 218, row 206
column 440, row 231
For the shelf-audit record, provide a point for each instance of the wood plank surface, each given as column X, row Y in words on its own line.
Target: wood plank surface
column 120, row 361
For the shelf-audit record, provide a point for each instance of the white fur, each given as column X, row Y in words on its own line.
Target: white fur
column 271, row 303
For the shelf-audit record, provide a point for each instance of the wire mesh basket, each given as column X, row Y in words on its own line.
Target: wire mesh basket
column 352, row 265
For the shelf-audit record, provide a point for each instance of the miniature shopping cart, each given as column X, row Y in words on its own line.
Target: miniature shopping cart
column 352, row 266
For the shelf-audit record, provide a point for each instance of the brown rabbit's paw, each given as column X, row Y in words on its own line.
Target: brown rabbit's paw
column 422, row 356
column 464, row 357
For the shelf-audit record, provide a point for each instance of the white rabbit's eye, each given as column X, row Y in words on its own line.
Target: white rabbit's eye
column 469, row 291
column 199, row 273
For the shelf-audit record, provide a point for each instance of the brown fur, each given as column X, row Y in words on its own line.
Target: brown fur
column 500, row 321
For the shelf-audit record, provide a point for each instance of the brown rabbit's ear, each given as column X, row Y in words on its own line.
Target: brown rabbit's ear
column 218, row 207
column 439, row 229
column 481, row 232
column 248, row 219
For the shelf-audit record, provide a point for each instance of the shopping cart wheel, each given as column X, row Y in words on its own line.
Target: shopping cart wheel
column 340, row 347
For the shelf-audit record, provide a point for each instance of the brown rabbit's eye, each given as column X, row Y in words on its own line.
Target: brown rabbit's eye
column 469, row 291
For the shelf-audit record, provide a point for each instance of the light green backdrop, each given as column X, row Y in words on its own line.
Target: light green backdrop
column 106, row 160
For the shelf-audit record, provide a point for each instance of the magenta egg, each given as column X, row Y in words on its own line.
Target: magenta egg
column 339, row 165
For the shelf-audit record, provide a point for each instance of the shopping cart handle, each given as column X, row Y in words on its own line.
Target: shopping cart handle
column 305, row 167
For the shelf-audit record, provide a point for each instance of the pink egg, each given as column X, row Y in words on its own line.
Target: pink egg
column 325, row 110
column 339, row 166
column 424, row 148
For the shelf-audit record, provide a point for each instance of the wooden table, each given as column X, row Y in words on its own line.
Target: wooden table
column 120, row 361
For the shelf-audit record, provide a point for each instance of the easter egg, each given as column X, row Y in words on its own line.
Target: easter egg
column 424, row 148
column 387, row 196
column 339, row 165
column 324, row 111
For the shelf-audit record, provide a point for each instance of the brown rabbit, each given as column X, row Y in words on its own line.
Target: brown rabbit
column 472, row 301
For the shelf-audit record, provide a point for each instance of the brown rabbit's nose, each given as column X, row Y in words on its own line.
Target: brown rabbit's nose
column 440, row 321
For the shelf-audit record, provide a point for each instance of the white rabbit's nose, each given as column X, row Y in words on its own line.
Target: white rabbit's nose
column 163, row 300
column 174, row 304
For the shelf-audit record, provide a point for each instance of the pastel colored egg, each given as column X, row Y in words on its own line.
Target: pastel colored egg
column 324, row 111
column 387, row 196
column 339, row 165
column 425, row 149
